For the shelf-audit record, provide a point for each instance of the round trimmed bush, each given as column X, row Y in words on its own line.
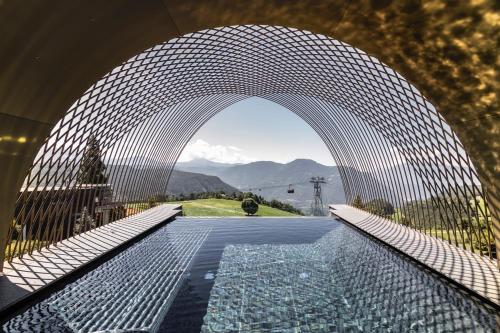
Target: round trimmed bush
column 249, row 206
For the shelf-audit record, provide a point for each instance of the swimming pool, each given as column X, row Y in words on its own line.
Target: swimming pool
column 256, row 275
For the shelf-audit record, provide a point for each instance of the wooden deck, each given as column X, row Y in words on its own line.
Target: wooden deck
column 471, row 270
column 32, row 272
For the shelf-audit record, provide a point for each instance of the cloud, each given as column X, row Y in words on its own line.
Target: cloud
column 216, row 153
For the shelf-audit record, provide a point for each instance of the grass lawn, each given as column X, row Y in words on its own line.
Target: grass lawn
column 223, row 207
column 449, row 235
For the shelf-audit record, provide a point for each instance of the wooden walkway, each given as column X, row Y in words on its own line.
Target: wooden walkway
column 471, row 270
column 32, row 272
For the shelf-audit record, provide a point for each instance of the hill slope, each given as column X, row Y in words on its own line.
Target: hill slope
column 187, row 182
column 179, row 182
column 223, row 207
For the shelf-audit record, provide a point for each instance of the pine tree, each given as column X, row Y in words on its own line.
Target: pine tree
column 92, row 167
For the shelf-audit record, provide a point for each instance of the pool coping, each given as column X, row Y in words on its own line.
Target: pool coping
column 359, row 220
column 22, row 303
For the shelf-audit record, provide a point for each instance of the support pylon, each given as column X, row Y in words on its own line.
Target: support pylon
column 317, row 208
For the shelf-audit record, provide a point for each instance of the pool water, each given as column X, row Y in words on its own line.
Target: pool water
column 257, row 275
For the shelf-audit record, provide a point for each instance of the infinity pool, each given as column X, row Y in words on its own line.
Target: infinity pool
column 256, row 275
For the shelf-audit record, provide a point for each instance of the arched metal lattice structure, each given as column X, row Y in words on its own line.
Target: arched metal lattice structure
column 390, row 143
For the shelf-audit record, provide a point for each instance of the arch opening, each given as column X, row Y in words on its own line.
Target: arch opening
column 391, row 145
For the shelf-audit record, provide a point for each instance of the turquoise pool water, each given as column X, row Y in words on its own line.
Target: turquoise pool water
column 256, row 275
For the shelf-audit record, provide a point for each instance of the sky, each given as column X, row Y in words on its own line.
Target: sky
column 256, row 129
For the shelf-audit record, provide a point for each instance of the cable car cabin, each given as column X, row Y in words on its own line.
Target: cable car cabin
column 290, row 189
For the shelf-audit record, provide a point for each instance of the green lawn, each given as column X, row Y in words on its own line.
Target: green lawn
column 223, row 207
column 448, row 235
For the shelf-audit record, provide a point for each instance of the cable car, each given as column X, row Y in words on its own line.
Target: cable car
column 290, row 189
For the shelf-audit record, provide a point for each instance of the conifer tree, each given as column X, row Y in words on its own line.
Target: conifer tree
column 92, row 167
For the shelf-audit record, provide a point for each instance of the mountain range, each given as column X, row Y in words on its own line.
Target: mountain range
column 187, row 182
column 180, row 182
column 266, row 178
column 271, row 179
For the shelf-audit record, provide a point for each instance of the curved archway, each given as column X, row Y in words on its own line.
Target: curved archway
column 389, row 141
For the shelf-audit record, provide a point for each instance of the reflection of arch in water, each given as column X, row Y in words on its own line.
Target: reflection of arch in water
column 388, row 140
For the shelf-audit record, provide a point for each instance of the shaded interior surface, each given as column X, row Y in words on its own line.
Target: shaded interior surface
column 257, row 274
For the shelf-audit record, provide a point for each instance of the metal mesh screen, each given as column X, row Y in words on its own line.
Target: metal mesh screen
column 397, row 156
